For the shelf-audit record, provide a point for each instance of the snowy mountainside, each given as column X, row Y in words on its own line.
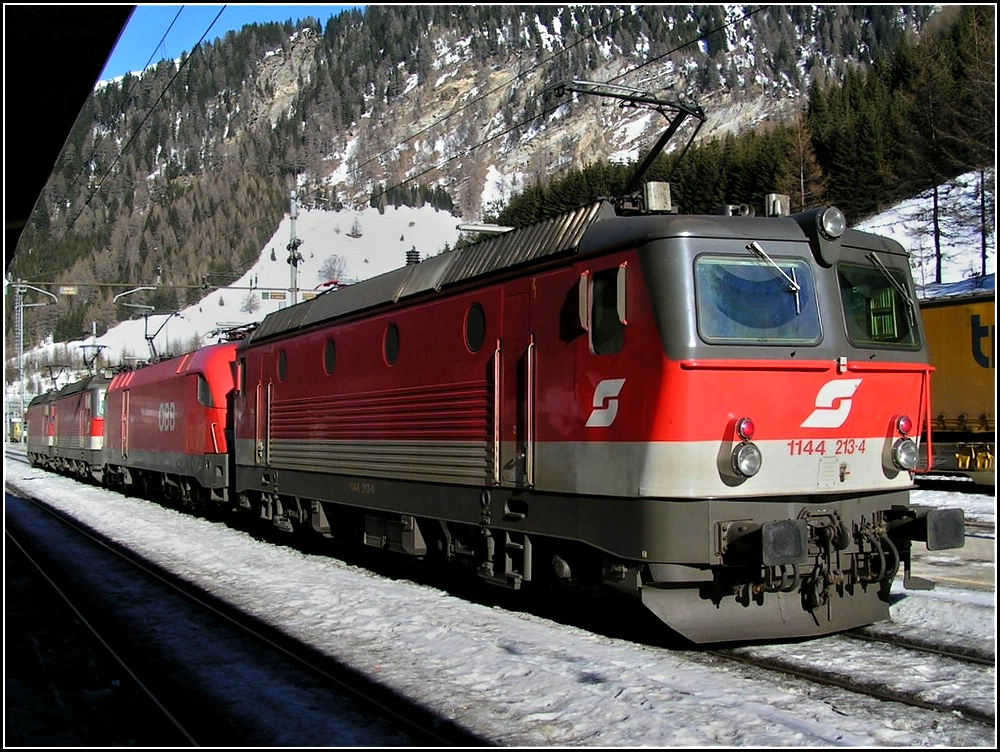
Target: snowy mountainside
column 381, row 246
column 961, row 245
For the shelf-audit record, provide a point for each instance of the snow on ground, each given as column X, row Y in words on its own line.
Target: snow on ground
column 517, row 678
column 979, row 507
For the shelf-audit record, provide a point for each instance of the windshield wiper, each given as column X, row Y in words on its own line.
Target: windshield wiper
column 896, row 284
column 793, row 284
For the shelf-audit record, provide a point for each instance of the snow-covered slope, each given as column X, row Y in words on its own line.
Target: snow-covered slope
column 382, row 245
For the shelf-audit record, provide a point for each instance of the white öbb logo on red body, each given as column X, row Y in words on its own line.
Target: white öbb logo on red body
column 833, row 404
column 166, row 416
column 605, row 403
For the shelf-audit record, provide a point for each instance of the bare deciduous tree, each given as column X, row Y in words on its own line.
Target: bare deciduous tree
column 332, row 268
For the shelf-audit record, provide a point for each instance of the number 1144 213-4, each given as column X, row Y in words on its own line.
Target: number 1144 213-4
column 824, row 447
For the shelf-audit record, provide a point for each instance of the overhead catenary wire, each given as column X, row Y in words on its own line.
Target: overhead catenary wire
column 121, row 113
column 148, row 114
column 521, row 74
column 458, row 110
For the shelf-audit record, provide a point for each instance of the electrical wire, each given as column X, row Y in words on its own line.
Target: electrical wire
column 148, row 115
column 438, row 166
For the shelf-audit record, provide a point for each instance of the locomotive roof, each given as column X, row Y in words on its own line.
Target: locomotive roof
column 51, row 395
column 557, row 236
column 43, row 397
column 965, row 291
column 201, row 359
column 83, row 385
column 592, row 229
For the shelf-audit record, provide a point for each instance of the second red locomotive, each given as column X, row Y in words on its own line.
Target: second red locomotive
column 167, row 430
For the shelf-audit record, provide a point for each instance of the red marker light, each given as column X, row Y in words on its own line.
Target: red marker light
column 904, row 425
column 745, row 428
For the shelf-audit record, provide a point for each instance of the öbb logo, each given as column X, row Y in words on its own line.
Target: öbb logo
column 833, row 404
column 605, row 403
column 166, row 416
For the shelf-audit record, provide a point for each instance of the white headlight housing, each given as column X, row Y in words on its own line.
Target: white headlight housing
column 905, row 454
column 746, row 459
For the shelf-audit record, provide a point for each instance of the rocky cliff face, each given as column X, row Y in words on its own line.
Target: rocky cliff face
column 487, row 125
column 280, row 74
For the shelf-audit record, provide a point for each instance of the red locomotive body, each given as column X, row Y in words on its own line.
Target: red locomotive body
column 71, row 420
column 41, row 425
column 166, row 426
column 79, row 439
column 717, row 414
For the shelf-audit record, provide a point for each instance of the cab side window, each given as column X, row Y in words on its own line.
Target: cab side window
column 607, row 311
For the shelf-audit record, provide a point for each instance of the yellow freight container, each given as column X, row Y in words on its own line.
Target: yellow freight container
column 961, row 333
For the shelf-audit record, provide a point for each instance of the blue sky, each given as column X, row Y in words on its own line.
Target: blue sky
column 163, row 32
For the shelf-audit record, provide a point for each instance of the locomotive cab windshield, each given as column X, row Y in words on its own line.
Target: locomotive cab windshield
column 744, row 301
column 878, row 311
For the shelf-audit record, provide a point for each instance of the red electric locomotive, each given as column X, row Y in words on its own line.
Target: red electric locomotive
column 70, row 426
column 79, row 432
column 167, row 427
column 39, row 418
column 718, row 414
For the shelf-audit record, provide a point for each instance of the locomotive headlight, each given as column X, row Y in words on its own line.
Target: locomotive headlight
column 905, row 454
column 832, row 223
column 746, row 459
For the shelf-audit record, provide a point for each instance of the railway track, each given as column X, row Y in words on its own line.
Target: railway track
column 66, row 685
column 962, row 705
column 915, row 659
column 905, row 668
column 979, row 529
column 214, row 676
column 982, row 655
